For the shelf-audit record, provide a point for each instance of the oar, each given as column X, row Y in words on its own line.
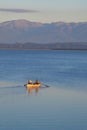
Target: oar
column 45, row 85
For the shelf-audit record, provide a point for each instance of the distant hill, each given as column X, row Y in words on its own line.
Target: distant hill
column 23, row 31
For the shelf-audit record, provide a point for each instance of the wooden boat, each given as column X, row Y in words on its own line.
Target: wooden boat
column 33, row 85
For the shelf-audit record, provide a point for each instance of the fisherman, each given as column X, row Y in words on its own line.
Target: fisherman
column 29, row 81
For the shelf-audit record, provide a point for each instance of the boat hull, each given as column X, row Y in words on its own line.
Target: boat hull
column 33, row 85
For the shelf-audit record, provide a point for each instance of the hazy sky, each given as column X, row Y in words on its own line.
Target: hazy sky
column 44, row 10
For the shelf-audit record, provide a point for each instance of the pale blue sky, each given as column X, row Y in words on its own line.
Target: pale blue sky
column 44, row 10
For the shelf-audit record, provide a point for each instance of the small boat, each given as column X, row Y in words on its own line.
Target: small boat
column 30, row 84
column 37, row 84
column 33, row 85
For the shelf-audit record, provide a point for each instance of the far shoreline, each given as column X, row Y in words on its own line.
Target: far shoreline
column 19, row 49
column 47, row 46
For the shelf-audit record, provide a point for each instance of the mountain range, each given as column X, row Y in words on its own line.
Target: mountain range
column 23, row 31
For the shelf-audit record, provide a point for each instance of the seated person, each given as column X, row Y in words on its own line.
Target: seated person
column 29, row 81
column 37, row 82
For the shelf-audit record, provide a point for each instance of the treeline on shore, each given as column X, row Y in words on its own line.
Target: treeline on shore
column 48, row 46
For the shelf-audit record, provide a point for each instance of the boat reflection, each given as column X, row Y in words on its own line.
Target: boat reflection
column 32, row 90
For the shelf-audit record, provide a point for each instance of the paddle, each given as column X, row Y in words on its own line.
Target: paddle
column 45, row 85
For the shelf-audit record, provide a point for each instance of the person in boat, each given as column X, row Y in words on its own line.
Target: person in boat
column 29, row 81
column 37, row 82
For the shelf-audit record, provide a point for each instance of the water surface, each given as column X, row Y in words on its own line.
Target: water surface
column 61, row 106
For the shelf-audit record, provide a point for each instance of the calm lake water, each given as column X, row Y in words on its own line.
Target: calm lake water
column 62, row 106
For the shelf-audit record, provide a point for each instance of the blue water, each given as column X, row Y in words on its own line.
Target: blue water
column 62, row 106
